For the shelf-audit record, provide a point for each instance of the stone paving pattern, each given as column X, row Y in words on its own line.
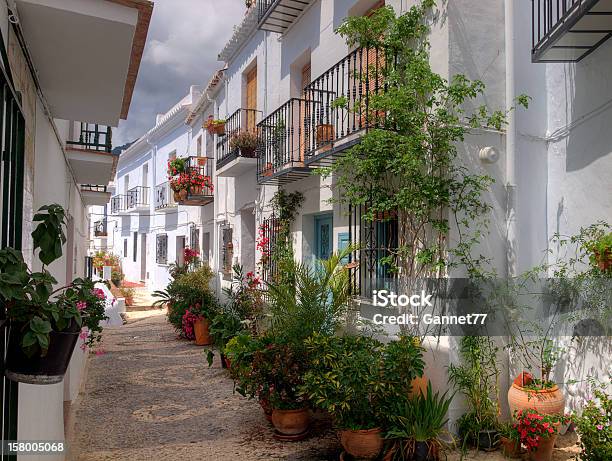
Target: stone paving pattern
column 152, row 396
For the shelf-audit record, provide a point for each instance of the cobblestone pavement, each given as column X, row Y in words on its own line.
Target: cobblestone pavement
column 153, row 397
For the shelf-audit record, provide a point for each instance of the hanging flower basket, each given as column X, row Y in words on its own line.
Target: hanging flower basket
column 215, row 126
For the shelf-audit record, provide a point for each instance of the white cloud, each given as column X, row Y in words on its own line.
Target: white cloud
column 184, row 39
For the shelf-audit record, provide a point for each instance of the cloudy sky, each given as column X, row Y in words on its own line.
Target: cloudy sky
column 184, row 39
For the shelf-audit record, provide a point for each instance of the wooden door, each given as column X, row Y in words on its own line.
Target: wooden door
column 251, row 99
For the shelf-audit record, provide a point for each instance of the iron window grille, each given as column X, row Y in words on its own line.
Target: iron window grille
column 194, row 238
column 101, row 228
column 94, row 137
column 164, row 196
column 268, row 237
column 227, row 255
column 161, row 249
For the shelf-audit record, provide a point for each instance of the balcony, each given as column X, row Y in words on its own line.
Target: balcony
column 94, row 195
column 164, row 198
column 100, row 229
column 233, row 158
column 118, row 204
column 339, row 105
column 137, row 199
column 91, row 156
column 278, row 15
column 283, row 138
column 199, row 170
column 568, row 30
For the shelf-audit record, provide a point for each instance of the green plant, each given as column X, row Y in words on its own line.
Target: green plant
column 533, row 427
column 49, row 233
column 478, row 379
column 241, row 351
column 128, row 294
column 176, row 167
column 245, row 141
column 244, row 296
column 223, row 327
column 600, row 248
column 422, row 419
column 509, row 431
column 594, row 425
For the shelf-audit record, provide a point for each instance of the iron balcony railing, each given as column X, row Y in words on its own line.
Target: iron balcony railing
column 283, row 138
column 118, row 204
column 241, row 121
column 93, row 188
column 101, row 228
column 200, row 166
column 137, row 197
column 94, row 137
column 278, row 15
column 339, row 101
column 164, row 196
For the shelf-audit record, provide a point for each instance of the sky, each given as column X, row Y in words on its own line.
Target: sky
column 184, row 40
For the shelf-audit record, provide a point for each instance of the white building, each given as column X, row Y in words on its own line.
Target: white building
column 68, row 73
column 554, row 165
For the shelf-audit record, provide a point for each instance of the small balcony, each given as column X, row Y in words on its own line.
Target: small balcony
column 279, row 15
column 339, row 105
column 90, row 154
column 237, row 150
column 164, row 198
column 568, row 30
column 201, row 191
column 283, row 138
column 101, row 229
column 137, row 199
column 95, row 195
column 118, row 204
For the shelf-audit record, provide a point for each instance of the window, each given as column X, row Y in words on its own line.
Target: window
column 180, row 250
column 135, row 246
column 227, row 249
column 125, row 246
column 199, row 146
column 161, row 252
column 194, row 238
column 205, row 246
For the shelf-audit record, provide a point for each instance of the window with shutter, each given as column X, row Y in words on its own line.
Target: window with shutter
column 161, row 253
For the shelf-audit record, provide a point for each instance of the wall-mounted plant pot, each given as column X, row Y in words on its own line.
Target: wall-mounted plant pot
column 49, row 369
column 201, row 161
column 604, row 260
column 217, row 128
column 202, row 332
column 488, row 440
column 363, row 444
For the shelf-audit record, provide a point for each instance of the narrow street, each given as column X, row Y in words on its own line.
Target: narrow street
column 152, row 396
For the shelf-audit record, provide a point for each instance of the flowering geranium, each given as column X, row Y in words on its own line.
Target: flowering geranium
column 533, row 426
column 188, row 320
column 175, row 167
column 190, row 256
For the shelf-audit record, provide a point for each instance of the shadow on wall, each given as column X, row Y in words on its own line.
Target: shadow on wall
column 589, row 97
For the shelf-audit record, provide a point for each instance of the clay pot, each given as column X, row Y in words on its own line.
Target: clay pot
column 510, row 448
column 544, row 451
column 267, row 409
column 177, row 196
column 183, row 193
column 291, row 422
column 202, row 333
column 549, row 401
column 604, row 261
column 365, row 444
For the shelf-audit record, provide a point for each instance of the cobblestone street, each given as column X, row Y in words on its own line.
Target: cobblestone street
column 153, row 397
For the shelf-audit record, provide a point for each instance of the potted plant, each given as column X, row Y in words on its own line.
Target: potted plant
column 201, row 324
column 416, row 426
column 223, row 327
column 344, row 380
column 245, row 142
column 176, row 166
column 215, row 126
column 477, row 379
column 509, row 439
column 117, row 276
column 44, row 324
column 601, row 252
column 538, row 432
column 594, row 426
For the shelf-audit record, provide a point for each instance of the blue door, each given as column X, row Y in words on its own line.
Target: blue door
column 323, row 236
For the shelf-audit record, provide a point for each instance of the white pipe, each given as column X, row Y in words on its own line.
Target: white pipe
column 511, row 219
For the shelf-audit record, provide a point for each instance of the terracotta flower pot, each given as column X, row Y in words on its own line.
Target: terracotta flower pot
column 268, row 169
column 549, row 401
column 267, row 409
column 291, row 422
column 604, row 261
column 183, row 194
column 365, row 444
column 202, row 333
column 510, row 448
column 544, row 451
column 177, row 196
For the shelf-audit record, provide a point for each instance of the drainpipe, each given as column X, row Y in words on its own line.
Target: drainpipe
column 511, row 219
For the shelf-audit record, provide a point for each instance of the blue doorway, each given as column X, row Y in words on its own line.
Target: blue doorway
column 324, row 241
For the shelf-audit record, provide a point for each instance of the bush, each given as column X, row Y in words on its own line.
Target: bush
column 595, row 428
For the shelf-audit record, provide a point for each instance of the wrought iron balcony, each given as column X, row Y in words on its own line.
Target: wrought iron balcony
column 283, row 139
column 340, row 104
column 199, row 169
column 241, row 123
column 278, row 15
column 118, row 204
column 164, row 197
column 94, row 137
column 137, row 199
column 100, row 228
column 568, row 30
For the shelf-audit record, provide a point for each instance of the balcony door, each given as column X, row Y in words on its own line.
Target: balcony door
column 251, row 99
column 143, row 257
column 304, row 111
column 323, row 237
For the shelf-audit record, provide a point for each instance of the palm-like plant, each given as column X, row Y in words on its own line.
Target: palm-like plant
column 308, row 300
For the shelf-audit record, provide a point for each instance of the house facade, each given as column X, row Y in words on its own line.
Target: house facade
column 56, row 136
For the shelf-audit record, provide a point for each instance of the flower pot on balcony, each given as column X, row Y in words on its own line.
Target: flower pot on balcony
column 248, row 152
column 183, row 193
column 268, row 169
column 202, row 332
column 201, row 161
column 217, row 128
column 177, row 195
column 49, row 369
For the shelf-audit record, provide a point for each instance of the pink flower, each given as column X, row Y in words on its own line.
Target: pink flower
column 99, row 293
column 100, row 351
column 84, row 334
column 599, row 427
column 81, row 305
column 83, row 347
